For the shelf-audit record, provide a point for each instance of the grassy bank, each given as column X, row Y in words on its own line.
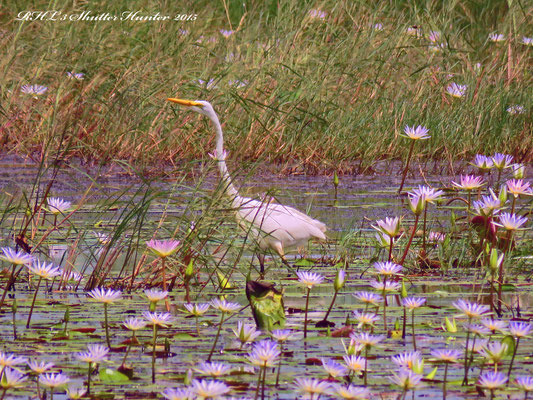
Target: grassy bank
column 291, row 85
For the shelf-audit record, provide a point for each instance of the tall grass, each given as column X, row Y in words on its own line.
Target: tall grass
column 320, row 94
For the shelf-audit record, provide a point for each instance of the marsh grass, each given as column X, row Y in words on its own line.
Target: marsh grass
column 321, row 95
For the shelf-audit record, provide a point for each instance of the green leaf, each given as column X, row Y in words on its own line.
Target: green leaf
column 511, row 344
column 108, row 375
column 432, row 374
column 304, row 262
column 451, row 326
column 223, row 282
column 403, row 292
column 190, row 270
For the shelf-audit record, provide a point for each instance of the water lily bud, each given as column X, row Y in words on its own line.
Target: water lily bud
column 417, row 204
column 66, row 317
column 403, row 292
column 340, row 280
column 335, row 179
column 451, row 326
column 383, row 240
column 518, row 171
column 495, row 261
column 14, row 306
column 417, row 366
column 502, row 196
column 188, row 377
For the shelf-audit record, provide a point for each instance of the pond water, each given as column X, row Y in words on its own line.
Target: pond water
column 166, row 205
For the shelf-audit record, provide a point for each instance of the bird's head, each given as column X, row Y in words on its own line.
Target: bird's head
column 200, row 106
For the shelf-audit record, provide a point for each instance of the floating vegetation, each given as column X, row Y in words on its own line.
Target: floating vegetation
column 146, row 287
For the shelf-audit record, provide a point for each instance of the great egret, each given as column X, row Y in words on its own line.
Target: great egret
column 273, row 226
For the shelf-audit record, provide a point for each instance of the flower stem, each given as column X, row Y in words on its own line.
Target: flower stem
column 468, row 206
column 444, row 381
column 258, row 383
column 33, row 302
column 153, row 353
column 465, row 379
column 197, row 326
column 413, row 325
column 390, row 247
column 306, row 307
column 366, row 364
column 331, row 305
column 502, row 273
column 279, row 363
column 424, row 230
column 3, row 394
column 513, row 204
column 216, row 338
column 163, row 272
column 128, row 349
column 385, row 303
column 106, row 326
column 417, row 217
column 38, row 388
column 89, row 380
column 512, row 358
column 264, row 379
column 404, row 327
column 407, row 165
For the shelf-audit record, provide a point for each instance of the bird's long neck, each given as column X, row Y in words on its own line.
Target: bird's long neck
column 219, row 152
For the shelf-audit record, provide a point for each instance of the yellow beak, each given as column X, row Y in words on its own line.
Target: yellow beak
column 188, row 103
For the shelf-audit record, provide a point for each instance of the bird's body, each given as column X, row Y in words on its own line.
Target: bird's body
column 272, row 225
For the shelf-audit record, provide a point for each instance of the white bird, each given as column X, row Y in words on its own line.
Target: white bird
column 273, row 226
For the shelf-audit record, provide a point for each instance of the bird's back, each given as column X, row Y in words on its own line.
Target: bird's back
column 278, row 223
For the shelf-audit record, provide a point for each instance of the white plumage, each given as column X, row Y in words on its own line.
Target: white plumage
column 274, row 226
